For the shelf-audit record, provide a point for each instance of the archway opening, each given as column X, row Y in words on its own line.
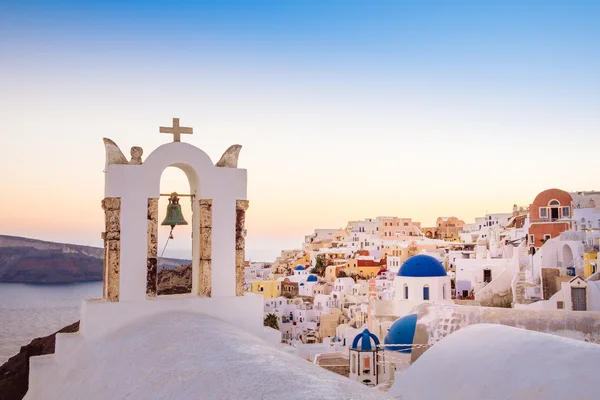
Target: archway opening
column 567, row 256
column 174, row 265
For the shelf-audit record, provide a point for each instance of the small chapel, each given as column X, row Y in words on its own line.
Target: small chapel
column 207, row 344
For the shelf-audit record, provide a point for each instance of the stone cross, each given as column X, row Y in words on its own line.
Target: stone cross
column 176, row 130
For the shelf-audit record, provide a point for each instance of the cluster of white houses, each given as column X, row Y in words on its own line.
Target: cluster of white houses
column 365, row 301
column 377, row 273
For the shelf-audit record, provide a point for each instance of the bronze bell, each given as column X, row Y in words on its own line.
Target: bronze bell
column 174, row 215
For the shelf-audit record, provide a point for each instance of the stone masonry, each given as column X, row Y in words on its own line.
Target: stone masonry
column 152, row 261
column 204, row 280
column 112, row 247
column 240, row 245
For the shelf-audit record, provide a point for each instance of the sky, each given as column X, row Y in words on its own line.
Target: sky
column 345, row 109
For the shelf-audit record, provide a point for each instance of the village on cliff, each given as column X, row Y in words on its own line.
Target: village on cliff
column 505, row 307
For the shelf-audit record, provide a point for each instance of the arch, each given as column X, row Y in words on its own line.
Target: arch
column 366, row 364
column 553, row 203
column 567, row 256
column 136, row 187
column 190, row 159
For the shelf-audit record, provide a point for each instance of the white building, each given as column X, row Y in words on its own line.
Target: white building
column 421, row 279
column 341, row 286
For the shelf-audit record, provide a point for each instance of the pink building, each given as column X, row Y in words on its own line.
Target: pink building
column 394, row 227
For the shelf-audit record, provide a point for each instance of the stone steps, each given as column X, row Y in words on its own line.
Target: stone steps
column 65, row 344
column 39, row 369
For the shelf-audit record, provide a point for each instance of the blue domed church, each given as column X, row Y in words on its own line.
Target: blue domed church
column 367, row 364
column 421, row 278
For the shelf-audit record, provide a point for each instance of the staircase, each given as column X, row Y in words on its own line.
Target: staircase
column 522, row 283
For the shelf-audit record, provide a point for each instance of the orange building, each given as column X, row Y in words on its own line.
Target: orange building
column 549, row 216
column 445, row 228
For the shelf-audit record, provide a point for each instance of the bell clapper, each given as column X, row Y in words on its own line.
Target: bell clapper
column 173, row 218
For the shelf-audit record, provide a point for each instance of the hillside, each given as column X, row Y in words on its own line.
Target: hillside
column 24, row 260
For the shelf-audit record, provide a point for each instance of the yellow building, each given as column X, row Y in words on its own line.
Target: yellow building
column 304, row 260
column 590, row 264
column 350, row 267
column 268, row 289
column 331, row 272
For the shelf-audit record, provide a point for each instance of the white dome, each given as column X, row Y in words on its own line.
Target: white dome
column 183, row 355
column 502, row 362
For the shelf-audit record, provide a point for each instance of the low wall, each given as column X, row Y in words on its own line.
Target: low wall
column 438, row 321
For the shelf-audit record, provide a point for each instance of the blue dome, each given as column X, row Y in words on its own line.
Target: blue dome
column 364, row 339
column 422, row 265
column 402, row 331
column 299, row 268
column 312, row 278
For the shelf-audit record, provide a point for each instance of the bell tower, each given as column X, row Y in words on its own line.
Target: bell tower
column 219, row 203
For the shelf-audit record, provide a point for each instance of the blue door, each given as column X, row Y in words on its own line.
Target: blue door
column 426, row 293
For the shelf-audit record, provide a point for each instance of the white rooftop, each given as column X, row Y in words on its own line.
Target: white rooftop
column 489, row 361
column 184, row 355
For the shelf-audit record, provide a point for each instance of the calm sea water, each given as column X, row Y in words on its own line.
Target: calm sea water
column 30, row 311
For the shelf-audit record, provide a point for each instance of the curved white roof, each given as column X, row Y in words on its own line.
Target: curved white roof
column 488, row 361
column 186, row 355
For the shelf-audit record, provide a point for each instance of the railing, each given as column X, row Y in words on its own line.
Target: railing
column 542, row 220
column 571, row 236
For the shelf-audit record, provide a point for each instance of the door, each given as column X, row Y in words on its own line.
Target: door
column 487, row 275
column 578, row 299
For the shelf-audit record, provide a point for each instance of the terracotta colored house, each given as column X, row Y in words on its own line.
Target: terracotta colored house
column 549, row 216
column 446, row 228
column 291, row 288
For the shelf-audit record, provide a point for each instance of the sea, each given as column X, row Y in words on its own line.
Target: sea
column 28, row 311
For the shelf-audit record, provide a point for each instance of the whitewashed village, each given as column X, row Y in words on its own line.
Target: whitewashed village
column 370, row 310
column 367, row 300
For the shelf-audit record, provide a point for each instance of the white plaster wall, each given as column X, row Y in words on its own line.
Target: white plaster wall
column 134, row 184
column 100, row 317
column 472, row 270
column 415, row 288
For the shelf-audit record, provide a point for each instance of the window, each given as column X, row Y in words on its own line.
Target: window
column 444, row 292
column 405, row 291
column 487, row 275
column 531, row 239
column 353, row 363
column 406, row 224
column 544, row 212
column 566, row 212
column 367, row 365
column 547, row 237
column 554, row 203
column 425, row 292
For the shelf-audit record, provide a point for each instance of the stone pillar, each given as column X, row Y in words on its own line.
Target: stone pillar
column 112, row 247
column 205, row 275
column 240, row 245
column 152, row 261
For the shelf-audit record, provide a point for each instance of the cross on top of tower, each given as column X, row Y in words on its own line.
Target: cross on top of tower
column 176, row 130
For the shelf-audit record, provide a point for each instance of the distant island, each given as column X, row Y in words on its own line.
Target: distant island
column 25, row 260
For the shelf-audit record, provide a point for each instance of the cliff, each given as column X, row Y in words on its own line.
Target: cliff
column 175, row 280
column 24, row 260
column 14, row 374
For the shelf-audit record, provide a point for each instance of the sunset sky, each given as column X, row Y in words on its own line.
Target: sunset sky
column 345, row 109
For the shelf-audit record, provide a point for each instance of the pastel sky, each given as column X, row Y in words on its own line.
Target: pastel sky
column 345, row 109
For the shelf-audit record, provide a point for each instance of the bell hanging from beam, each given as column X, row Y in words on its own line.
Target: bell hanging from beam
column 174, row 215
